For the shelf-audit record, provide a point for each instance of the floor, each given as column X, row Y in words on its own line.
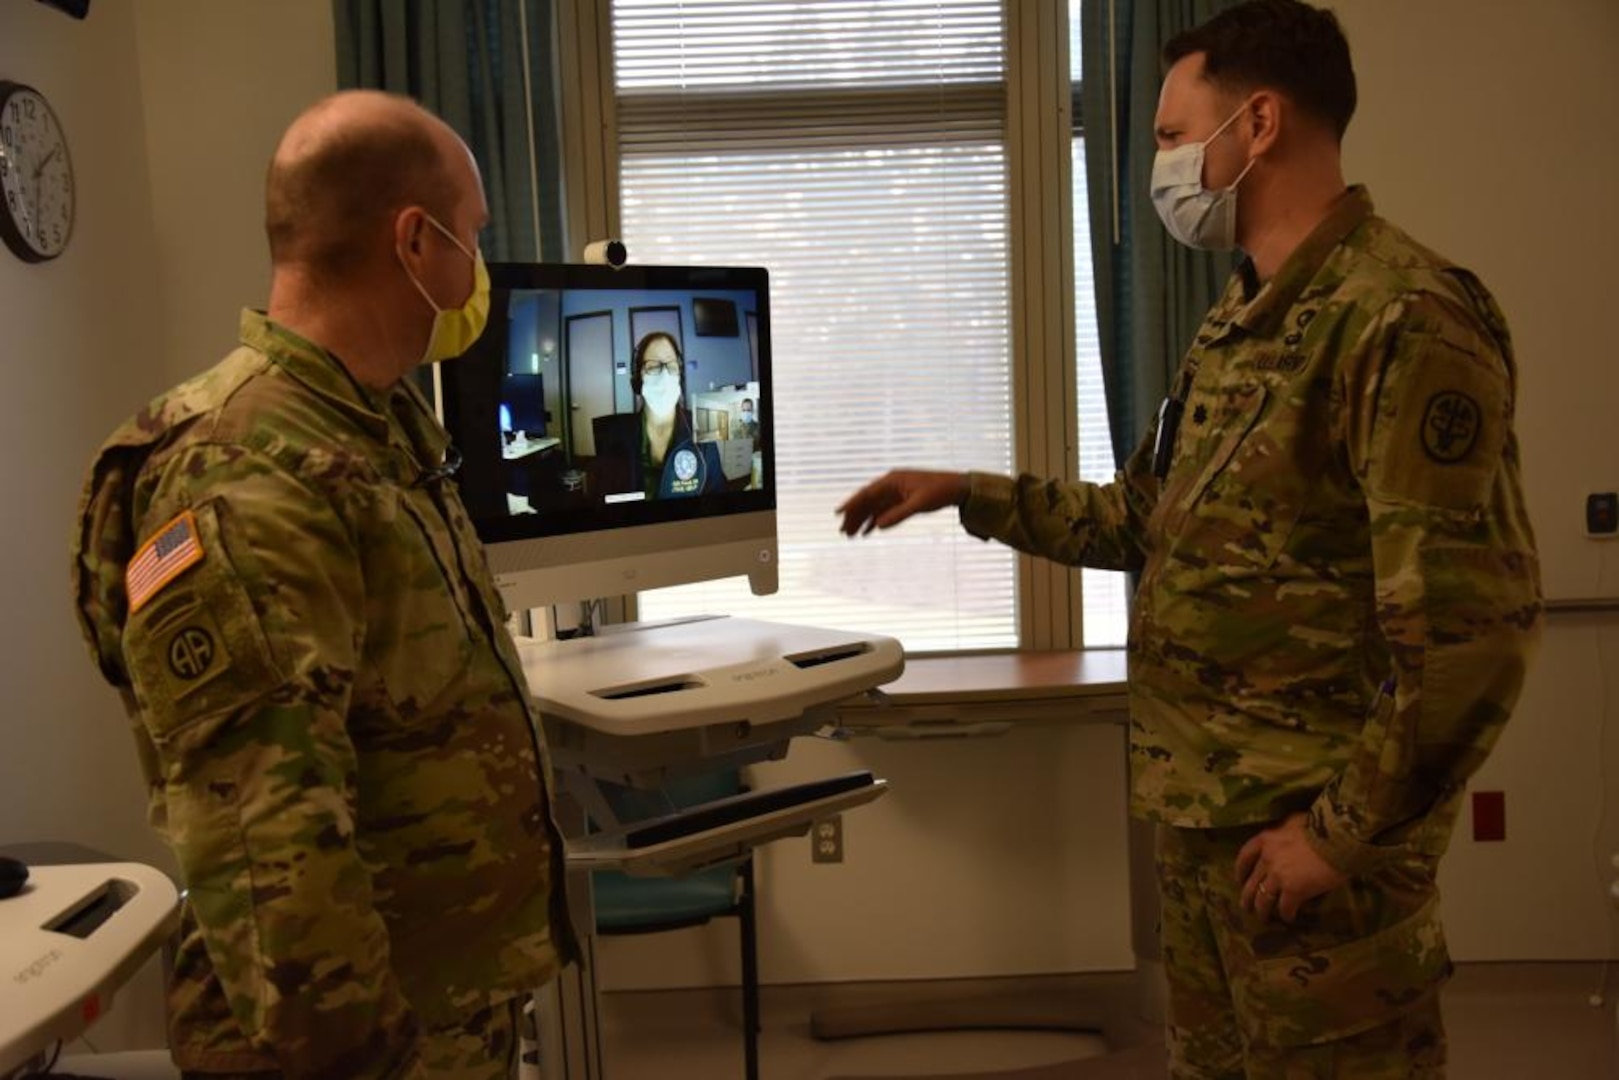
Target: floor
column 1506, row 1022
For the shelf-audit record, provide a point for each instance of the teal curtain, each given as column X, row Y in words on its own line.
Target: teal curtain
column 1151, row 292
column 465, row 60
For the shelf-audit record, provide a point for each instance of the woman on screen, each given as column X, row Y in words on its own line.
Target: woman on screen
column 652, row 451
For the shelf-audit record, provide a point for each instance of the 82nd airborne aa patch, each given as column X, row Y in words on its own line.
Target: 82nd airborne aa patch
column 1451, row 426
column 191, row 653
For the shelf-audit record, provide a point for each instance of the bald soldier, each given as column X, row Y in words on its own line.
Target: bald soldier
column 1339, row 590
column 275, row 570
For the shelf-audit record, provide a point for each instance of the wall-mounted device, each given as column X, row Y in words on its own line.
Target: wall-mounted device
column 1602, row 515
column 76, row 8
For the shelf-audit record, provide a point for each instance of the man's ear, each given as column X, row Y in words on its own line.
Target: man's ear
column 1263, row 119
column 409, row 224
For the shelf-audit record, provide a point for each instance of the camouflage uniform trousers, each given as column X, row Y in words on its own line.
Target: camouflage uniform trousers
column 1350, row 989
column 484, row 1046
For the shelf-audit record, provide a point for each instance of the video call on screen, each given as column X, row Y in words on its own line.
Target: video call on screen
column 552, row 412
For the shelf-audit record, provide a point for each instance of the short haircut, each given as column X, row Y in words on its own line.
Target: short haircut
column 326, row 207
column 1282, row 45
column 748, row 402
column 640, row 360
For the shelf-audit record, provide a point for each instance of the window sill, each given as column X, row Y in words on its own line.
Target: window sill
column 941, row 693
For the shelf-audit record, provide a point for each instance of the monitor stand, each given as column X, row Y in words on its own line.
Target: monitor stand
column 640, row 704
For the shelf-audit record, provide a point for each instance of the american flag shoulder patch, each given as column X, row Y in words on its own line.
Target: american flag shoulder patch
column 164, row 557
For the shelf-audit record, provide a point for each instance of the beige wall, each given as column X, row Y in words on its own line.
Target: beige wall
column 171, row 108
column 989, row 856
column 220, row 80
column 79, row 343
column 1485, row 128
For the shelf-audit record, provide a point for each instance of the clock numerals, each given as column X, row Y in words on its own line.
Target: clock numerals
column 36, row 175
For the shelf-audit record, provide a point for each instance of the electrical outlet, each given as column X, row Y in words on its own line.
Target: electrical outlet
column 1602, row 515
column 1489, row 815
column 826, row 839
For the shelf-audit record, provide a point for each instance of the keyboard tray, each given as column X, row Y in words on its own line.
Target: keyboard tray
column 722, row 830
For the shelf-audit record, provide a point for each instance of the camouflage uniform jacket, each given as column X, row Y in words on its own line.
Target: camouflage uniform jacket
column 1339, row 590
column 331, row 717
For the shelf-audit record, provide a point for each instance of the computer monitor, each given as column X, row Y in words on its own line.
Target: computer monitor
column 609, row 445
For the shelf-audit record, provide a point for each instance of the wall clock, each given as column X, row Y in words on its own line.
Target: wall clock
column 36, row 175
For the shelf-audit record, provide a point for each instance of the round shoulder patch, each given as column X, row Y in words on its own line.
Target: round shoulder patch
column 685, row 464
column 191, row 653
column 1451, row 426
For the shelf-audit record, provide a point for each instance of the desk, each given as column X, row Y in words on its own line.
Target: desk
column 516, row 451
column 976, row 696
column 531, row 472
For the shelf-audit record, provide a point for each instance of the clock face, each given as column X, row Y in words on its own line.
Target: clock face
column 36, row 175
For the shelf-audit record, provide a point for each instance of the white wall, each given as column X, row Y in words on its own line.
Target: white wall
column 989, row 856
column 80, row 339
column 171, row 108
column 221, row 80
column 1485, row 128
column 90, row 336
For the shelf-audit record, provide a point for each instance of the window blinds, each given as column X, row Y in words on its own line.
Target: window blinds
column 857, row 150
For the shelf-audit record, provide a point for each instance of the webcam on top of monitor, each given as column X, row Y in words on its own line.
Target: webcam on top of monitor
column 607, row 253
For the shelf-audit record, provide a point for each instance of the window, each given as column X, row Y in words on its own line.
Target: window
column 858, row 149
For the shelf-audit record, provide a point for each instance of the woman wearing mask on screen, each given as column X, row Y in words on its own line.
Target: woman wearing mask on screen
column 653, row 450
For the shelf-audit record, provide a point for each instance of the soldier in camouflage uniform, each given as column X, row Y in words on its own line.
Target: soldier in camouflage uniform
column 1339, row 589
column 275, row 571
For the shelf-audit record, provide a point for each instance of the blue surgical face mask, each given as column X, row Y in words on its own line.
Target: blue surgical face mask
column 1194, row 215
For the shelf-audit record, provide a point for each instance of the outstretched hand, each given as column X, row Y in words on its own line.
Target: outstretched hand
column 895, row 496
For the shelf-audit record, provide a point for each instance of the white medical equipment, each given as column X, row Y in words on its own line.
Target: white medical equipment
column 639, row 704
column 68, row 941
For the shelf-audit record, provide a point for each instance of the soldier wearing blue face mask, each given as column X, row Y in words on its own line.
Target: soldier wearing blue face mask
column 1339, row 592
column 1194, row 215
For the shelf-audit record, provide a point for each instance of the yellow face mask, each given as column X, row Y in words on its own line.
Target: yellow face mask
column 455, row 329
